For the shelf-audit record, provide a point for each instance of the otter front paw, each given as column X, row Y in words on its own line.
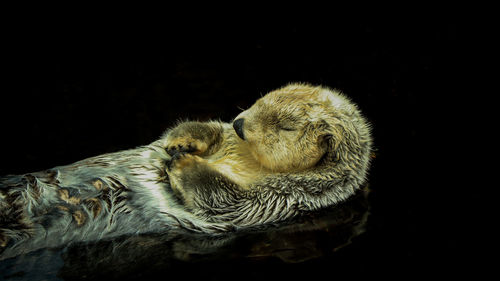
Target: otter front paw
column 179, row 169
column 181, row 161
column 185, row 144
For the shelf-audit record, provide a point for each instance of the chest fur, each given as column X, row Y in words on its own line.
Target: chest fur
column 235, row 161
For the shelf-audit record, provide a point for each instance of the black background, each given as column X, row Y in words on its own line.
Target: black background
column 71, row 91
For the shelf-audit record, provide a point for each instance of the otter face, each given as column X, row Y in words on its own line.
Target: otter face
column 287, row 129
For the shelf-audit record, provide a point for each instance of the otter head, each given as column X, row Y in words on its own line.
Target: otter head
column 292, row 128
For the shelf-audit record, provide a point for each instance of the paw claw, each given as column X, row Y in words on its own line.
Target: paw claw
column 181, row 160
column 185, row 145
column 175, row 155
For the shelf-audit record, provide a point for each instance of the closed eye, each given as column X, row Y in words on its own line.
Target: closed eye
column 287, row 128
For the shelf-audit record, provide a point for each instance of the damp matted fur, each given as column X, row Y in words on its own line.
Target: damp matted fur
column 225, row 179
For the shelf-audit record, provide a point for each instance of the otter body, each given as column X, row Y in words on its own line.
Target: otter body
column 297, row 149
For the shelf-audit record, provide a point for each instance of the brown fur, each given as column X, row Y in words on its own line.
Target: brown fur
column 288, row 130
column 300, row 148
column 281, row 129
column 79, row 217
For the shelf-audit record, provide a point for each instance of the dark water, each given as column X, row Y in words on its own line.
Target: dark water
column 72, row 93
column 310, row 238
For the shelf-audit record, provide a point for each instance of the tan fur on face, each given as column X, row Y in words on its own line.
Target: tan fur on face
column 286, row 130
column 299, row 131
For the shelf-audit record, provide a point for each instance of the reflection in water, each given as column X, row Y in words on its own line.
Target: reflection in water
column 305, row 238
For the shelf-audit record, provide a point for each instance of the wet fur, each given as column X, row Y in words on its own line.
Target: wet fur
column 221, row 180
column 102, row 197
column 304, row 148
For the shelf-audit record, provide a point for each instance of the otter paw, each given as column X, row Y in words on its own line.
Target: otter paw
column 180, row 161
column 185, row 144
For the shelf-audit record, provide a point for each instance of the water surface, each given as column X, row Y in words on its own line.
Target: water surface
column 304, row 239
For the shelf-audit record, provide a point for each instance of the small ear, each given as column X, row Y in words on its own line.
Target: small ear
column 325, row 139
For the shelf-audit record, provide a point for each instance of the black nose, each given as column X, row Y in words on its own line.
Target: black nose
column 238, row 127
